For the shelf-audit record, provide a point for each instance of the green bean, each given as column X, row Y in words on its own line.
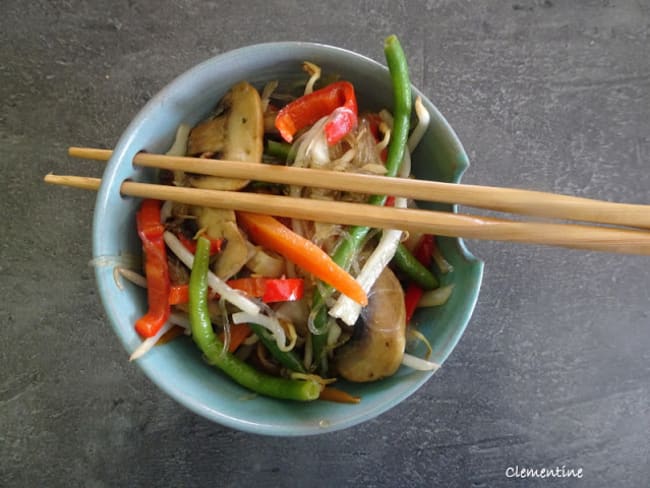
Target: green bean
column 279, row 150
column 319, row 341
column 402, row 103
column 212, row 347
column 347, row 248
column 288, row 359
column 414, row 269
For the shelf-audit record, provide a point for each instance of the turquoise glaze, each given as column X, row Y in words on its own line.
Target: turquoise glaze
column 177, row 368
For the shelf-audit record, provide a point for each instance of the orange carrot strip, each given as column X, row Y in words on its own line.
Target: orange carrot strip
column 270, row 233
column 332, row 394
column 238, row 334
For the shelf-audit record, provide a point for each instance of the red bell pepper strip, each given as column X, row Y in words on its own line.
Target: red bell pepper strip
column 190, row 244
column 425, row 249
column 423, row 253
column 151, row 231
column 270, row 290
column 337, row 99
column 412, row 296
column 179, row 294
column 375, row 121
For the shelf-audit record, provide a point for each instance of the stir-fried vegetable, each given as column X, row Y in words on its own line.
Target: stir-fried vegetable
column 344, row 309
column 416, row 266
column 337, row 99
column 270, row 233
column 272, row 301
column 217, row 285
column 414, row 269
column 236, row 133
column 332, row 394
column 190, row 244
column 378, row 350
column 238, row 334
column 205, row 338
column 151, row 231
column 347, row 248
column 270, row 290
column 288, row 359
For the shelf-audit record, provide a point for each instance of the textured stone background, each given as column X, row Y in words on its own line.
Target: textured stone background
column 555, row 366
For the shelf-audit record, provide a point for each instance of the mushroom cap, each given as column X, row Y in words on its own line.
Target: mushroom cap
column 376, row 351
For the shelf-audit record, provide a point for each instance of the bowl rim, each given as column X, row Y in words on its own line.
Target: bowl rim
column 124, row 151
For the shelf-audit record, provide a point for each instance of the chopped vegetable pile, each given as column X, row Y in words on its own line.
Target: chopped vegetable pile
column 286, row 307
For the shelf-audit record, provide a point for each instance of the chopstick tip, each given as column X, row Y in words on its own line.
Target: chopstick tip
column 81, row 182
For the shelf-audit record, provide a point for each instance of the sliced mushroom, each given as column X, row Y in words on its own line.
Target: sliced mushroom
column 236, row 134
column 265, row 263
column 209, row 136
column 221, row 224
column 377, row 349
column 235, row 253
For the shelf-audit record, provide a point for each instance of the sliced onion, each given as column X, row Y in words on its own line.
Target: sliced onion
column 135, row 278
column 312, row 148
column 146, row 345
column 383, row 144
column 267, row 91
column 314, row 72
column 423, row 123
column 437, row 297
column 419, row 364
column 443, row 265
column 272, row 325
column 166, row 211
column 413, row 332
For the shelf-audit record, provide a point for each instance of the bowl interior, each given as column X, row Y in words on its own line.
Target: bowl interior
column 177, row 367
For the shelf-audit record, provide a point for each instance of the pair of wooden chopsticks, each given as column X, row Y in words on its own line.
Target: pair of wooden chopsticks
column 634, row 240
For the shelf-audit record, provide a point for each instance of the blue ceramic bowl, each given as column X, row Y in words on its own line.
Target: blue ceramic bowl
column 177, row 368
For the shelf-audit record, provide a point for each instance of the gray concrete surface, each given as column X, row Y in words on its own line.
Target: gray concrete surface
column 554, row 369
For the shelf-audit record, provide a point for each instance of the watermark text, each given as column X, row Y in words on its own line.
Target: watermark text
column 545, row 472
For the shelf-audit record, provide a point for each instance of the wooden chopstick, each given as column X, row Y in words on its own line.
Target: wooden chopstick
column 616, row 240
column 524, row 202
